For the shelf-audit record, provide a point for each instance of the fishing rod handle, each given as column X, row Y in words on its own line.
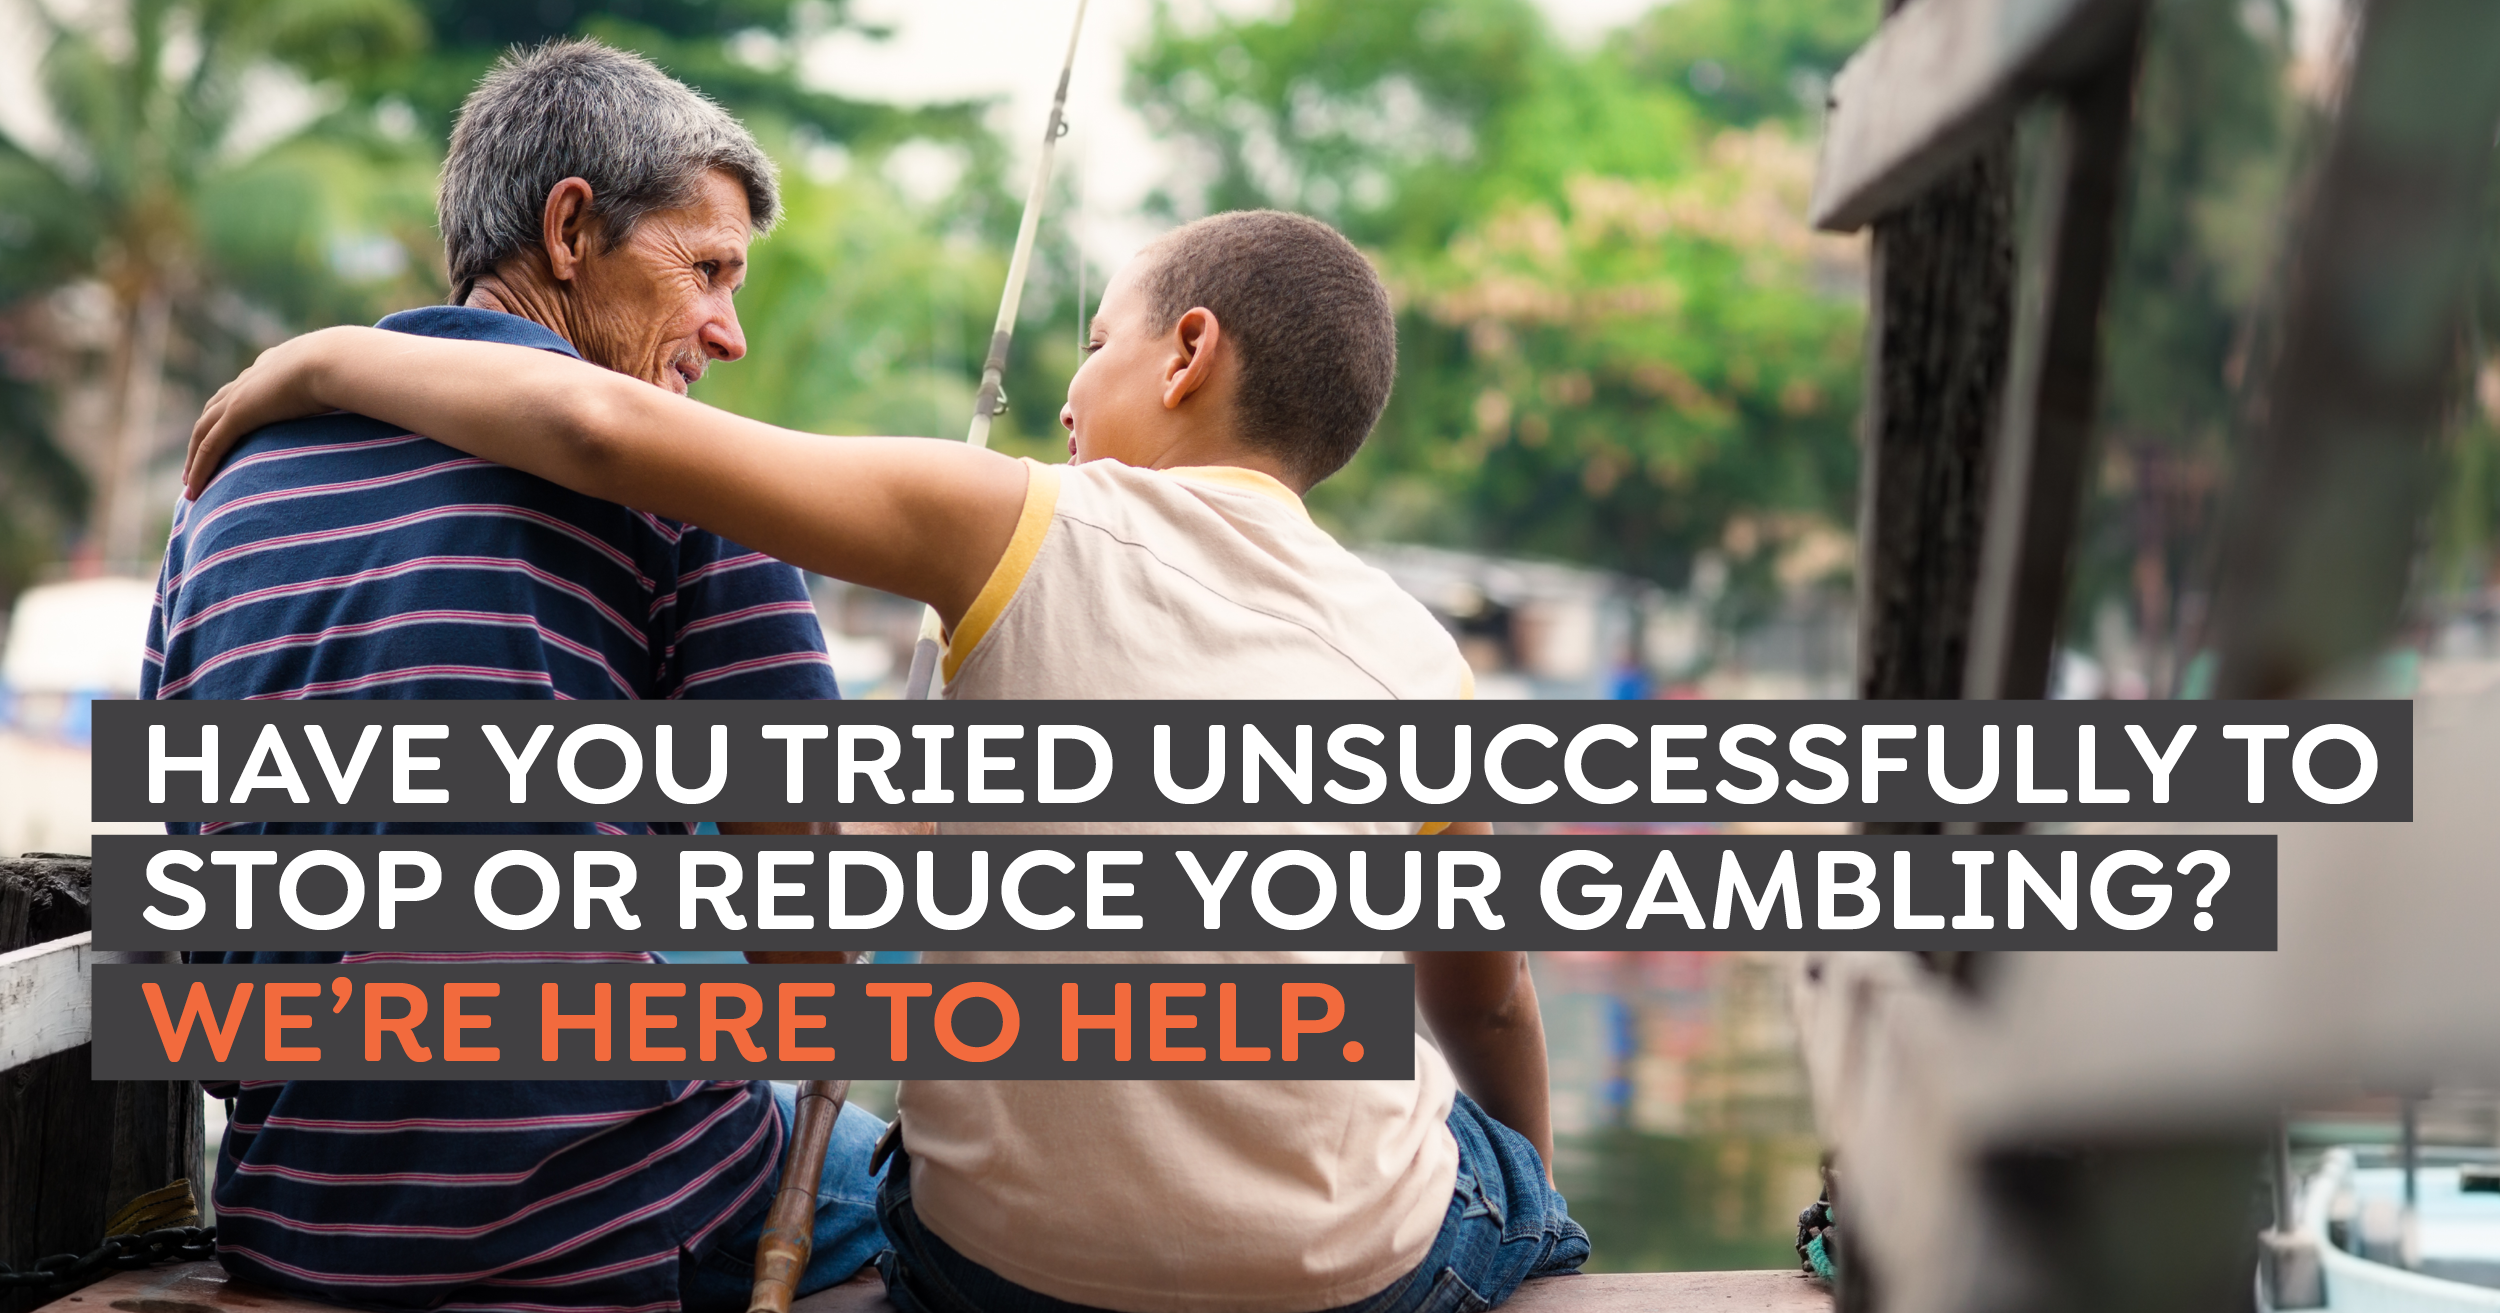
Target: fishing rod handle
column 790, row 1228
column 924, row 653
column 924, row 661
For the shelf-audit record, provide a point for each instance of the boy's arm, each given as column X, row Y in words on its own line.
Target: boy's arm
column 925, row 518
column 1482, row 1009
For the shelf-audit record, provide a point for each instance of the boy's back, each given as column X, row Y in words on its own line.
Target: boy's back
column 1265, row 1196
column 1209, row 582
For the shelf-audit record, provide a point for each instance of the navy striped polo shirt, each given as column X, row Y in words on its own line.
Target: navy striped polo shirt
column 339, row 557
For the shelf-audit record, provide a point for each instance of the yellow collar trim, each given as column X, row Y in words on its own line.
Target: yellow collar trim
column 1246, row 480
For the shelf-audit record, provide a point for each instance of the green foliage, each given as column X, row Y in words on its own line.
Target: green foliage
column 325, row 39
column 41, row 489
column 149, row 199
column 1620, row 344
column 2209, row 165
column 851, row 312
column 1750, row 60
column 325, row 230
column 866, row 314
column 1367, row 114
column 2208, row 170
column 2465, row 525
column 496, row 23
column 153, row 198
column 739, row 52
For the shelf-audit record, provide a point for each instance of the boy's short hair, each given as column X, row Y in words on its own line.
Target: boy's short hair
column 1309, row 316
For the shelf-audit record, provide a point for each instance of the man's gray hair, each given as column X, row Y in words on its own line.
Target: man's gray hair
column 581, row 109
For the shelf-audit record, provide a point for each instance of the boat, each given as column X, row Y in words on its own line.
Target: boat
column 2396, row 1239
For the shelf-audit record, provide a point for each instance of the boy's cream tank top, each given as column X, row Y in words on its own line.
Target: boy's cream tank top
column 1155, row 1196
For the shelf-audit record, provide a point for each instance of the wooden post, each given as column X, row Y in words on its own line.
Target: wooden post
column 2037, row 472
column 1940, row 315
column 2323, row 524
column 1940, row 319
column 72, row 1149
column 1968, row 495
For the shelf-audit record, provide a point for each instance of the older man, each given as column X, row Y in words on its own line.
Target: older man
column 594, row 207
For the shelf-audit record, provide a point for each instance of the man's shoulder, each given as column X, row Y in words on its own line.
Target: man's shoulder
column 357, row 465
column 296, row 436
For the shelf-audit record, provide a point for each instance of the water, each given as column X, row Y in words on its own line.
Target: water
column 1684, row 1136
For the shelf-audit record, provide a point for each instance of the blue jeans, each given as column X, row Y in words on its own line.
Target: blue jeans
column 1504, row 1225
column 847, row 1235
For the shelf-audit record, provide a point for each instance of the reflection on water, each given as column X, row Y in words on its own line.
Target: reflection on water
column 1684, row 1139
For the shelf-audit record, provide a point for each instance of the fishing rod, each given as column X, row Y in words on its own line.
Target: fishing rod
column 992, row 397
column 790, row 1224
column 781, row 1257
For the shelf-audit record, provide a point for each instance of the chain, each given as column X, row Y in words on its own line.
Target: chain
column 1818, row 1234
column 62, row 1273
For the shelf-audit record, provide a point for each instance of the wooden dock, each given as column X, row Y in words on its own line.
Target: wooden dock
column 205, row 1288
column 72, row 1149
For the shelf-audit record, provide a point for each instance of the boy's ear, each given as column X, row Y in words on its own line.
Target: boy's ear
column 1197, row 340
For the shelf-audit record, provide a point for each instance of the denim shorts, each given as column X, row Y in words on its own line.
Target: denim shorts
column 1505, row 1224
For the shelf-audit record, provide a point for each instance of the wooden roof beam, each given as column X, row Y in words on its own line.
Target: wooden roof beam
column 1939, row 78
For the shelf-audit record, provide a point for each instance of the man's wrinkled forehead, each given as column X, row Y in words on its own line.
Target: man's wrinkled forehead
column 716, row 225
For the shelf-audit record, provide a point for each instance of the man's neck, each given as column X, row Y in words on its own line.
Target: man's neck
column 526, row 298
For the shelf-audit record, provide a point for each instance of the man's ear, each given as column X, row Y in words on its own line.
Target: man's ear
column 1199, row 340
column 566, row 228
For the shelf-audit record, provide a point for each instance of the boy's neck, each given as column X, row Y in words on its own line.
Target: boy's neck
column 1186, row 454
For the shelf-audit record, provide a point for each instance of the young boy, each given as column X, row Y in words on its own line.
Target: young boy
column 1234, row 364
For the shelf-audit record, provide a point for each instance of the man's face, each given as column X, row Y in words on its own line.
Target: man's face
column 658, row 306
column 1115, row 401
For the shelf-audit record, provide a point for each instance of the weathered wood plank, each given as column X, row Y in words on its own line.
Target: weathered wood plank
column 1674, row 1292
column 1613, row 1292
column 73, row 1149
column 44, row 1004
column 1941, row 79
column 205, row 1288
column 2035, row 500
column 43, row 896
column 1941, row 310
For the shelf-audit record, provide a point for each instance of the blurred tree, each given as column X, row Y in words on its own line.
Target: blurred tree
column 858, row 308
column 41, row 489
column 1620, row 344
column 1371, row 115
column 2462, row 582
column 1750, row 60
column 218, row 173
column 869, row 309
column 859, row 313
column 111, row 268
column 742, row 53
column 2209, row 164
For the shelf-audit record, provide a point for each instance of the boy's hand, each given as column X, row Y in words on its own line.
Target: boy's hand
column 283, row 384
column 1482, row 1009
